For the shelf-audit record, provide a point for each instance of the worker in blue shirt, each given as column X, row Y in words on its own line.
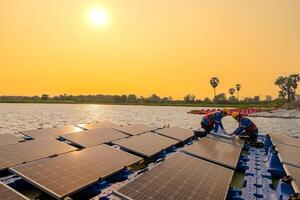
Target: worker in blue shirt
column 247, row 129
column 212, row 121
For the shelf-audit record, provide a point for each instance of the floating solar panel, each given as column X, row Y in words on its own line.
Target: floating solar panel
column 98, row 125
column 135, row 129
column 14, row 154
column 285, row 139
column 9, row 139
column 235, row 141
column 176, row 133
column 215, row 151
column 66, row 174
column 51, row 132
column 289, row 154
column 94, row 137
column 7, row 193
column 294, row 172
column 148, row 144
column 179, row 177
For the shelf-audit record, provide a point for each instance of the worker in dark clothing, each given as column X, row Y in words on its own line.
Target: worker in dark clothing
column 247, row 129
column 212, row 121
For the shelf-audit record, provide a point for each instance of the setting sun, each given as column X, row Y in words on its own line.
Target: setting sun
column 98, row 17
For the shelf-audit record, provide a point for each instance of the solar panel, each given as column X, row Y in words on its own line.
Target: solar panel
column 7, row 193
column 51, row 132
column 294, row 172
column 98, row 125
column 9, row 139
column 176, row 133
column 147, row 144
column 236, row 141
column 179, row 177
column 94, row 137
column 65, row 174
column 215, row 151
column 284, row 139
column 14, row 154
column 289, row 154
column 135, row 129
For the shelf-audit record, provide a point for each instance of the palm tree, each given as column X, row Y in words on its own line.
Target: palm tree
column 214, row 82
column 231, row 91
column 238, row 88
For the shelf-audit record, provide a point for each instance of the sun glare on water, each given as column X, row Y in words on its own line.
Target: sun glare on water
column 98, row 17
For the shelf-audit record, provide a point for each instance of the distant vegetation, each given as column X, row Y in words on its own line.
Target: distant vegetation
column 287, row 85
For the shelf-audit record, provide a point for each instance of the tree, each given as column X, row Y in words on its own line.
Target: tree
column 232, row 99
column 206, row 100
column 268, row 98
column 45, row 97
column 153, row 98
column 238, row 88
column 131, row 98
column 231, row 91
column 220, row 98
column 288, row 86
column 189, row 98
column 214, row 82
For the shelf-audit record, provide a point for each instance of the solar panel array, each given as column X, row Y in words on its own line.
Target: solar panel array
column 147, row 144
column 14, row 154
column 215, row 151
column 135, row 129
column 65, row 174
column 94, row 136
column 235, row 141
column 285, row 139
column 9, row 139
column 176, row 133
column 179, row 177
column 51, row 132
column 7, row 193
column 294, row 172
column 98, row 125
column 289, row 154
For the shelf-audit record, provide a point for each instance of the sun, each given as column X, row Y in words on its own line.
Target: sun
column 98, row 17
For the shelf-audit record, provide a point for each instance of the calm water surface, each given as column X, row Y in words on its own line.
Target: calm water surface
column 17, row 117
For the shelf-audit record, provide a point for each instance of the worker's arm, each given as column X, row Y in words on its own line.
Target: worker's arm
column 218, row 122
column 241, row 128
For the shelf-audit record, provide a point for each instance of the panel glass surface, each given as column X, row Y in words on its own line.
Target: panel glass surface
column 94, row 136
column 215, row 151
column 177, row 133
column 98, row 125
column 65, row 174
column 285, row 139
column 51, row 132
column 236, row 141
column 147, row 144
column 135, row 129
column 14, row 154
column 294, row 172
column 9, row 139
column 179, row 177
column 289, row 154
column 7, row 193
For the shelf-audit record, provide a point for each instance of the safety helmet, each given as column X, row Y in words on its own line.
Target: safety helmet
column 235, row 115
column 226, row 111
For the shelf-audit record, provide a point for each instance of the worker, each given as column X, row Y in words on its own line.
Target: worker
column 212, row 121
column 247, row 129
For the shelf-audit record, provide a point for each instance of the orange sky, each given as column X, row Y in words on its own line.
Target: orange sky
column 169, row 47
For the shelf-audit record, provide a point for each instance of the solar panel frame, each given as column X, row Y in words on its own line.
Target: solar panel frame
column 139, row 144
column 6, row 139
column 294, row 172
column 94, row 137
column 15, row 154
column 186, row 176
column 10, row 194
column 54, row 132
column 176, row 133
column 104, row 124
column 284, row 139
column 215, row 151
column 288, row 154
column 135, row 129
column 236, row 141
column 76, row 174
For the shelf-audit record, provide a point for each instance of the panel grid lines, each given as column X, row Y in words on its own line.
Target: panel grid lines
column 176, row 133
column 289, row 154
column 98, row 125
column 6, row 139
column 135, row 129
column 8, row 193
column 284, row 139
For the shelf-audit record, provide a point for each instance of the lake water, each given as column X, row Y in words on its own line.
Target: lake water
column 17, row 117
